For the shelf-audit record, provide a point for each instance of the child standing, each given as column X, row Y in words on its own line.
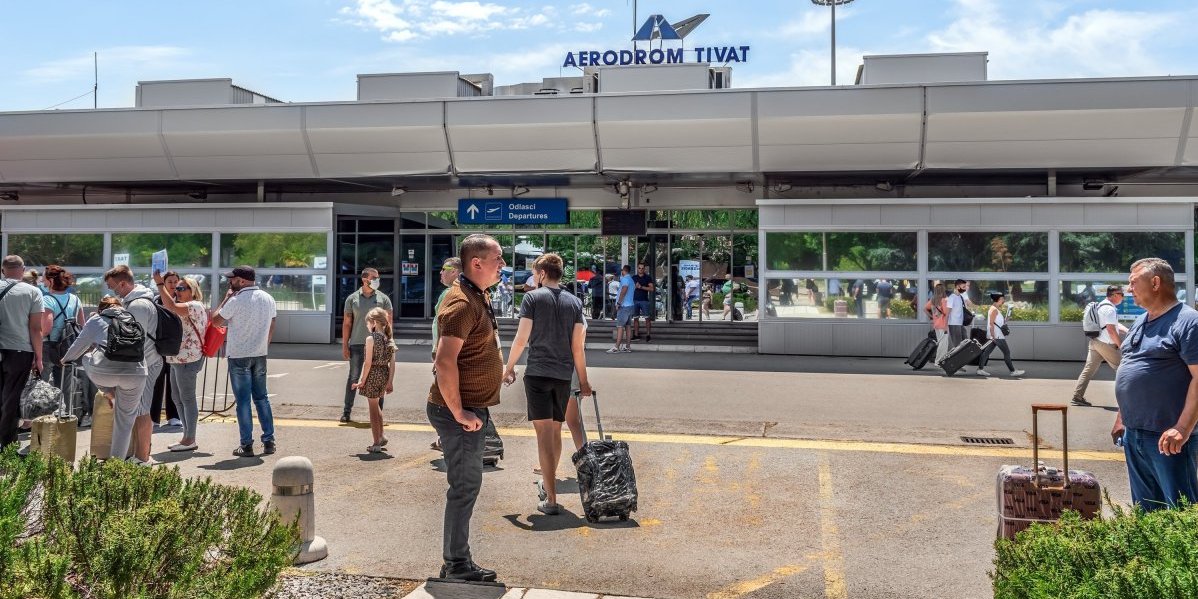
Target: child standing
column 378, row 372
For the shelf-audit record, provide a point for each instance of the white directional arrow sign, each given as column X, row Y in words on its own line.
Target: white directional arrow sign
column 473, row 212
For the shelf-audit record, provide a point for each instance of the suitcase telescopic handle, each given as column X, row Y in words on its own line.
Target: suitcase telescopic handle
column 598, row 421
column 1064, row 410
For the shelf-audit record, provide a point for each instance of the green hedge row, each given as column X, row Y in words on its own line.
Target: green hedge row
column 114, row 530
column 1132, row 555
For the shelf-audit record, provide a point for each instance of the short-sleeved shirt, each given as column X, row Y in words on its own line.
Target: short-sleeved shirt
column 692, row 288
column 1107, row 314
column 613, row 289
column 16, row 307
column 956, row 310
column 249, row 313
column 63, row 306
column 1153, row 377
column 642, row 294
column 885, row 290
column 628, row 301
column 194, row 325
column 359, row 305
column 465, row 315
column 553, row 313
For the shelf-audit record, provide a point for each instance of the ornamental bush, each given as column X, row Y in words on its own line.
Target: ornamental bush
column 1134, row 554
column 114, row 530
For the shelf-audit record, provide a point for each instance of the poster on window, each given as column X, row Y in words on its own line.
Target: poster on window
column 688, row 267
column 410, row 269
column 158, row 261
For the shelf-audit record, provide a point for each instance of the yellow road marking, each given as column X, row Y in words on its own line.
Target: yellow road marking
column 763, row 442
column 741, row 589
column 830, row 534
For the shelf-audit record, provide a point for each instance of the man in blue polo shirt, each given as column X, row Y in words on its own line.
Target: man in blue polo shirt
column 1157, row 390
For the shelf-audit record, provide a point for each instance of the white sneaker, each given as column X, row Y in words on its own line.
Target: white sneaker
column 1018, row 373
column 627, row 349
column 174, row 422
column 614, row 350
column 137, row 462
column 982, row 372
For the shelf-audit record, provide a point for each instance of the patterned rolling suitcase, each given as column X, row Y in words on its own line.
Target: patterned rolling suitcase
column 1040, row 495
column 606, row 479
column 923, row 352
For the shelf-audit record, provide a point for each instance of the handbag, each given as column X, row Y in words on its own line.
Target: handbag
column 214, row 338
column 1006, row 330
column 39, row 398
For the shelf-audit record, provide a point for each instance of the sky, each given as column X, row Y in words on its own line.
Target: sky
column 312, row 50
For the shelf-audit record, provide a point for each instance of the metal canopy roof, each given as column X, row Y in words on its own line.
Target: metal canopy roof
column 1052, row 124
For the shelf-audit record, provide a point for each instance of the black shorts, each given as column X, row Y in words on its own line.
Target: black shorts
column 547, row 397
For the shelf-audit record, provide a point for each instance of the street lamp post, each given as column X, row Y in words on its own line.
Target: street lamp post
column 833, row 4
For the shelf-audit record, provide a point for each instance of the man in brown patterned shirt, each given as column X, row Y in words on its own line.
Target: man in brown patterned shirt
column 469, row 370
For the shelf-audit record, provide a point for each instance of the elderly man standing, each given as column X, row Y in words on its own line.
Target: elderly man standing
column 20, row 327
column 1156, row 386
column 354, row 333
column 249, row 312
column 468, row 371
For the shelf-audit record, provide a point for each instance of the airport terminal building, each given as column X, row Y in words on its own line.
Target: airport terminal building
column 921, row 171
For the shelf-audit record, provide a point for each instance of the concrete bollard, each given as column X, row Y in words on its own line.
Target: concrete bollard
column 292, row 495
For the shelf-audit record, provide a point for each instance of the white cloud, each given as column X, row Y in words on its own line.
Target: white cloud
column 586, row 10
column 1093, row 43
column 808, row 68
column 588, row 27
column 121, row 58
column 407, row 20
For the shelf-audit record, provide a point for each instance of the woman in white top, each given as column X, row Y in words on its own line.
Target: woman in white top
column 995, row 322
column 186, row 300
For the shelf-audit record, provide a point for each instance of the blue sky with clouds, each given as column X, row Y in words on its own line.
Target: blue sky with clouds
column 311, row 50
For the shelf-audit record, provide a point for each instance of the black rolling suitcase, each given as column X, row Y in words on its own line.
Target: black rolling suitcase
column 606, row 480
column 923, row 352
column 492, row 444
column 967, row 352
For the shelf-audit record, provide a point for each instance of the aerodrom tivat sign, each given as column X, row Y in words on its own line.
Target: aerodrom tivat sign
column 657, row 28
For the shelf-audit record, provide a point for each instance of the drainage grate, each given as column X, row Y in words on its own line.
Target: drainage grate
column 989, row 440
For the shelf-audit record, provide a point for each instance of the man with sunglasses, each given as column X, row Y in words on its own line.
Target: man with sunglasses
column 354, row 333
column 468, row 372
column 1156, row 386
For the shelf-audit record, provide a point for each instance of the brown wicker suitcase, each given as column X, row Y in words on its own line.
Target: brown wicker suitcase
column 1041, row 495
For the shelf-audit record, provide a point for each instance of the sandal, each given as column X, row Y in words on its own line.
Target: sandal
column 376, row 448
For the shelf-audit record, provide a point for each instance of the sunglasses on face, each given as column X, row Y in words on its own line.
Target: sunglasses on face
column 182, row 288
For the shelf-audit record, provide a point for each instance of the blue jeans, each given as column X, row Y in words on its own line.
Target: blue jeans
column 248, row 378
column 1157, row 481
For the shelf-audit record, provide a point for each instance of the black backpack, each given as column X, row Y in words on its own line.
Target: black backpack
column 168, row 337
column 126, row 338
column 70, row 326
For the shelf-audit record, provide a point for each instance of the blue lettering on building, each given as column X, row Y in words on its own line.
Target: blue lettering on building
column 611, row 58
column 545, row 211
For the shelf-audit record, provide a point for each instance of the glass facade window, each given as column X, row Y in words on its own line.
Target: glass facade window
column 1115, row 252
column 40, row 249
column 1075, row 295
column 273, row 250
column 831, row 298
column 291, row 292
column 699, row 220
column 988, row 252
column 842, row 251
column 184, row 250
column 745, row 219
column 1026, row 300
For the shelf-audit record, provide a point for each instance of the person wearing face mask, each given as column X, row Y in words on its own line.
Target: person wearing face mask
column 354, row 333
column 956, row 314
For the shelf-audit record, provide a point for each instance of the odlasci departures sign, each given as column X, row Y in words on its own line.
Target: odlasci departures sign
column 537, row 211
column 656, row 27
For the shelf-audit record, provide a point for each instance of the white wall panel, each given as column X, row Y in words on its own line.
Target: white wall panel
column 251, row 131
column 62, row 135
column 551, row 134
column 69, row 170
column 295, row 166
column 706, row 132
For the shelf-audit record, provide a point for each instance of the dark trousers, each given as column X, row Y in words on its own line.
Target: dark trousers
column 464, row 471
column 15, row 367
column 956, row 334
column 162, row 395
column 357, row 355
column 1158, row 481
column 1001, row 344
column 596, row 307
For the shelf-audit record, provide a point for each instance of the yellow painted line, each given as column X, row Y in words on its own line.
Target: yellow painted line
column 830, row 535
column 763, row 442
column 741, row 589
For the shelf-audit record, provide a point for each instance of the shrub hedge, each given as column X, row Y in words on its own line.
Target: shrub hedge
column 114, row 530
column 1132, row 555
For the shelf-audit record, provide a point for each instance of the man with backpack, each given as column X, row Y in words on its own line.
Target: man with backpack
column 20, row 342
column 139, row 301
column 1100, row 323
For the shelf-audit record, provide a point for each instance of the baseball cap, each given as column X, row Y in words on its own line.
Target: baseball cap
column 242, row 272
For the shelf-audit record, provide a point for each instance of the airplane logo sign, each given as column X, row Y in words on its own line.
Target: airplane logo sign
column 656, row 27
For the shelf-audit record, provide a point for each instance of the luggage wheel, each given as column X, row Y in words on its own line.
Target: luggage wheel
column 623, row 517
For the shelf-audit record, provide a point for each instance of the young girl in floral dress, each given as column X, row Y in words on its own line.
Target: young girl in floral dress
column 378, row 372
